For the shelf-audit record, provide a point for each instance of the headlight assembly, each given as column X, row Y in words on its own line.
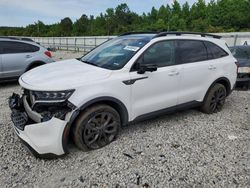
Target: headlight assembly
column 52, row 95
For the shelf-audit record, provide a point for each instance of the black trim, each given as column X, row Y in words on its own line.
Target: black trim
column 6, row 79
column 162, row 34
column 168, row 110
column 111, row 99
column 219, row 80
column 123, row 115
column 132, row 81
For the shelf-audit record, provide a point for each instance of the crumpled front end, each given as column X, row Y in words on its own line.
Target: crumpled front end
column 41, row 125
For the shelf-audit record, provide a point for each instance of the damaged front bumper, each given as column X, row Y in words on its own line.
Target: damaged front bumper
column 44, row 136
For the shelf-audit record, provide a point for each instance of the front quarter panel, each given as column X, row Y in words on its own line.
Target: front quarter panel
column 112, row 87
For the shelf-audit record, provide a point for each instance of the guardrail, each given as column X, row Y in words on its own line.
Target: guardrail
column 87, row 43
column 72, row 43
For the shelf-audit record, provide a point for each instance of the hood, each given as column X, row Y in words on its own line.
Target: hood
column 62, row 75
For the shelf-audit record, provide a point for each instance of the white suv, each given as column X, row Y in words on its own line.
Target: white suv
column 129, row 78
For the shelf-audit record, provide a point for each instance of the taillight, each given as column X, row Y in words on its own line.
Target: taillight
column 238, row 65
column 48, row 53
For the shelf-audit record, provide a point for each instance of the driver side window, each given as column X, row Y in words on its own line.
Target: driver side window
column 161, row 53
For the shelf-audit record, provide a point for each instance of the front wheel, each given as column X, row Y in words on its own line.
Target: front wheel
column 96, row 127
column 215, row 99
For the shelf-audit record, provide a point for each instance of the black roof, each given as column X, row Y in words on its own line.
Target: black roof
column 162, row 34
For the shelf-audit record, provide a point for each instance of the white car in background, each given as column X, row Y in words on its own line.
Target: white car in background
column 19, row 55
column 129, row 78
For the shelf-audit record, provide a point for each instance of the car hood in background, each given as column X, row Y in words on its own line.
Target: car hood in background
column 62, row 75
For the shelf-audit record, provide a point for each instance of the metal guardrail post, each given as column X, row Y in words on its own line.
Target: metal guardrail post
column 84, row 43
column 75, row 44
column 67, row 44
column 235, row 39
column 60, row 42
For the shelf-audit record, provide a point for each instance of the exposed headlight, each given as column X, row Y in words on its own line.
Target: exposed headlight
column 52, row 95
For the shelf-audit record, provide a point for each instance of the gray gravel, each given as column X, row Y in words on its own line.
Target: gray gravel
column 184, row 149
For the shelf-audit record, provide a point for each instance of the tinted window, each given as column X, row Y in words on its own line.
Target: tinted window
column 162, row 54
column 240, row 53
column 9, row 47
column 191, row 51
column 216, row 51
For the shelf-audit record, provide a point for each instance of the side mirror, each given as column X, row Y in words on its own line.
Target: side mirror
column 147, row 68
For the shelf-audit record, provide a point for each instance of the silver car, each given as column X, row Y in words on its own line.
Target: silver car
column 20, row 55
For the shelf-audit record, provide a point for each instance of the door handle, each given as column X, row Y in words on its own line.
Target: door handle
column 211, row 67
column 28, row 56
column 173, row 73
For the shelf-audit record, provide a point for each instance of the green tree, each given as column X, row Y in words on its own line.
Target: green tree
column 66, row 26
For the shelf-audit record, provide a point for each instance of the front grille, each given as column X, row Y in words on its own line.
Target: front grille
column 19, row 119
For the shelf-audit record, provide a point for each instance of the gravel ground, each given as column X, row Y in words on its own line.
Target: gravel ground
column 185, row 149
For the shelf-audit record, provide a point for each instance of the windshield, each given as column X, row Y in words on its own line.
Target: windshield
column 115, row 53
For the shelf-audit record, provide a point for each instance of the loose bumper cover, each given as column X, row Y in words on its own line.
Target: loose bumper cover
column 43, row 139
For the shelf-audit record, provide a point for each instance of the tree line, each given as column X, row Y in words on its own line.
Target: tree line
column 215, row 16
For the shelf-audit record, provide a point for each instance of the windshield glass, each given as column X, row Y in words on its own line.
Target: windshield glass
column 115, row 53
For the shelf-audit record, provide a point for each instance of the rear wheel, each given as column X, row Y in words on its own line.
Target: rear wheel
column 96, row 127
column 215, row 99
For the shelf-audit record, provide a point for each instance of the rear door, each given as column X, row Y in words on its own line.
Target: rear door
column 195, row 73
column 16, row 57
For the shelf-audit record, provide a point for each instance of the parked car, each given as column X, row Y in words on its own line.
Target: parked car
column 127, row 79
column 242, row 54
column 20, row 55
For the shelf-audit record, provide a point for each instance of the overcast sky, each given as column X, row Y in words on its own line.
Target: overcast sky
column 24, row 12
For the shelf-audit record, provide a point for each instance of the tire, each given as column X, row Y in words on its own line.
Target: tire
column 96, row 127
column 215, row 99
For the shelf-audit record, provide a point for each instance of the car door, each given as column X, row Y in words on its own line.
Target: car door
column 196, row 71
column 15, row 58
column 153, row 91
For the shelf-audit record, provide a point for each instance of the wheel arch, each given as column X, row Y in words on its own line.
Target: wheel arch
column 111, row 101
column 222, row 80
column 34, row 63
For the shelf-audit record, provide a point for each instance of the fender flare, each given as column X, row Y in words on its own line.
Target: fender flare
column 120, row 107
column 222, row 80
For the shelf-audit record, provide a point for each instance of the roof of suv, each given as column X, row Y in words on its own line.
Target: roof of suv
column 152, row 35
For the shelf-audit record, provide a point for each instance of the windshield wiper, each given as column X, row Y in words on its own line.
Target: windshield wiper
column 88, row 62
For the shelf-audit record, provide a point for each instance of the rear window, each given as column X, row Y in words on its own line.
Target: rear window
column 9, row 47
column 189, row 51
column 240, row 53
column 214, row 51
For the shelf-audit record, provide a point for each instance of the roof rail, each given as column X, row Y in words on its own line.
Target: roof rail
column 17, row 38
column 162, row 34
column 131, row 33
